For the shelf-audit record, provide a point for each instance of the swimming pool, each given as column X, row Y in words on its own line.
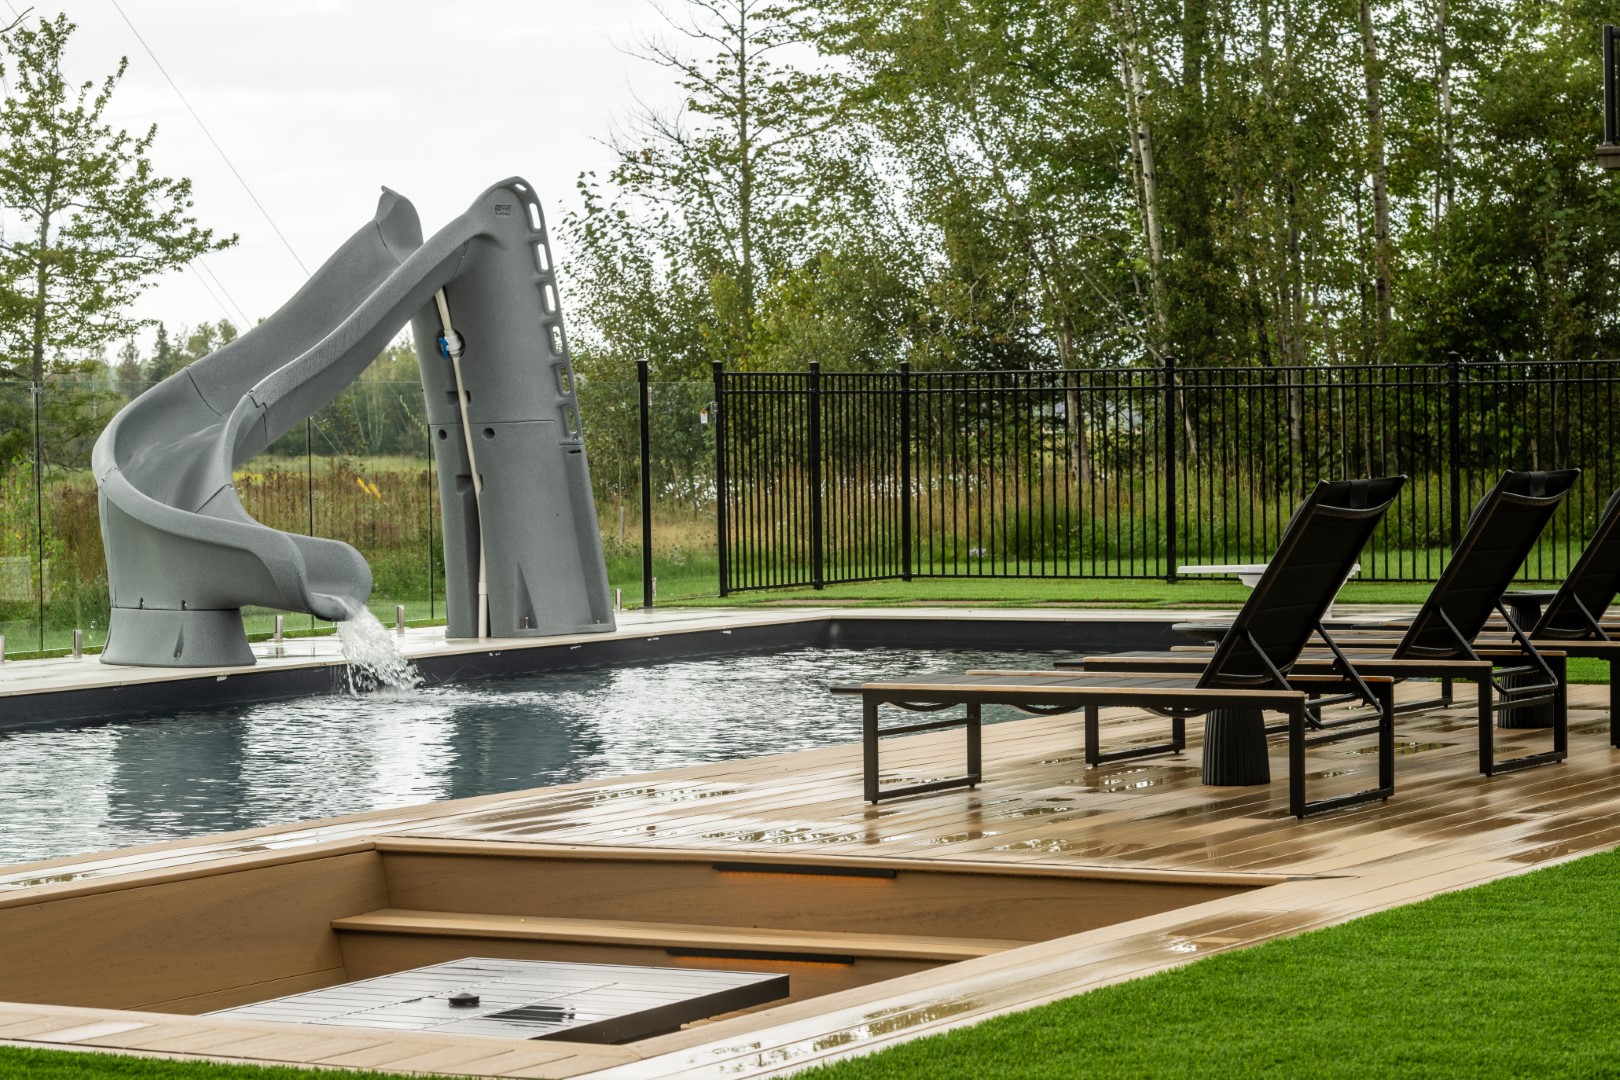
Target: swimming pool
column 240, row 767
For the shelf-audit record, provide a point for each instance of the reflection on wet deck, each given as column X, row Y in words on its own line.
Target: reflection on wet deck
column 1039, row 807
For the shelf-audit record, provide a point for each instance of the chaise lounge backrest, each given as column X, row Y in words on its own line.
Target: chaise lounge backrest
column 1501, row 531
column 1317, row 551
column 1590, row 586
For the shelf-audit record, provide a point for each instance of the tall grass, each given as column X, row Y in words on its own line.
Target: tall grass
column 965, row 526
column 386, row 507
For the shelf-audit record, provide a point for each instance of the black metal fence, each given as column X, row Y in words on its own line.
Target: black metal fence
column 827, row 477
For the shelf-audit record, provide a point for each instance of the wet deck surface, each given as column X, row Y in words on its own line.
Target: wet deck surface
column 1447, row 827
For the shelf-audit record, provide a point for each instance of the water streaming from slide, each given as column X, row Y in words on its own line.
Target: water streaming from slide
column 375, row 662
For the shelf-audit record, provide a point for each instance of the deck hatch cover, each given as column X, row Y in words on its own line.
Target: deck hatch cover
column 526, row 999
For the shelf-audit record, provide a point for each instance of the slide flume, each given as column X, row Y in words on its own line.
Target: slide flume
column 184, row 556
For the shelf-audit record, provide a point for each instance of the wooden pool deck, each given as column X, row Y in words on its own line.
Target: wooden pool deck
column 1039, row 809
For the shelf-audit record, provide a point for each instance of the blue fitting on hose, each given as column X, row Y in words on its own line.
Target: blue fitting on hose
column 450, row 345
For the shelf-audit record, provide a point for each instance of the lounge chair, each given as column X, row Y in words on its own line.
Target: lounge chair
column 1575, row 611
column 1573, row 619
column 1249, row 669
column 1443, row 640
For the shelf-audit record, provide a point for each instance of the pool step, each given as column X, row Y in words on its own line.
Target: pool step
column 678, row 939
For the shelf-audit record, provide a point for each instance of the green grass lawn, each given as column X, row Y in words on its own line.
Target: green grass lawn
column 1022, row 592
column 55, row 1065
column 1514, row 978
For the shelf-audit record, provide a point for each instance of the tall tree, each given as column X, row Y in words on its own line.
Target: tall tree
column 97, row 224
column 733, row 162
column 1372, row 67
column 1008, row 119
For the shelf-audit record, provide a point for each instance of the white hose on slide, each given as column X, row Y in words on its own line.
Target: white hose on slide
column 452, row 347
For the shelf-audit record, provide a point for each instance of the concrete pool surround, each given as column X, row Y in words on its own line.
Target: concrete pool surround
column 62, row 692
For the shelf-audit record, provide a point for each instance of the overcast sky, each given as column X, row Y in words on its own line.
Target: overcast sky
column 320, row 102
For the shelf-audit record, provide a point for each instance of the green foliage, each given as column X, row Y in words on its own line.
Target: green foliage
column 750, row 228
column 1016, row 183
column 98, row 224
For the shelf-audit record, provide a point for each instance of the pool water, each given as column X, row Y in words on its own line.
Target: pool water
column 240, row 767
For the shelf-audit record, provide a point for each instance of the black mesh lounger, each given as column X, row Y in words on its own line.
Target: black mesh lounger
column 1575, row 611
column 1572, row 617
column 1510, row 672
column 1249, row 669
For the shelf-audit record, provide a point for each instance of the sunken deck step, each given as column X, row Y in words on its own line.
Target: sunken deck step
column 681, row 936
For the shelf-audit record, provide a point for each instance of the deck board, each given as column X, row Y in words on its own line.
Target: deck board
column 1038, row 808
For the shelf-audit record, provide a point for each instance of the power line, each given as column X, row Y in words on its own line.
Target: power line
column 225, row 157
column 247, row 323
column 192, row 266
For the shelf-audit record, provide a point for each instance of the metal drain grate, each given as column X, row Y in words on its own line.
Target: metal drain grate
column 526, row 999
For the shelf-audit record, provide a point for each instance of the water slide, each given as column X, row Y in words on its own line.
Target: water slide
column 522, row 552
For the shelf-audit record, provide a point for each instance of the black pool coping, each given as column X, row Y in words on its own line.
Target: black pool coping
column 110, row 703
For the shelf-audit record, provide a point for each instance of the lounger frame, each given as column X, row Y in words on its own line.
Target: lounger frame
column 1049, row 697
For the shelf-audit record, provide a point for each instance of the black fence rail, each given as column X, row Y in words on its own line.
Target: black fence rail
column 829, row 477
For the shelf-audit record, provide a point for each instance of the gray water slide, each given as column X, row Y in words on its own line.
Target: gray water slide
column 184, row 556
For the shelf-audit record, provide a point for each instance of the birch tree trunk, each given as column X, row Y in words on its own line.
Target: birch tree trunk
column 1073, row 414
column 1373, row 75
column 1134, row 81
column 1445, row 185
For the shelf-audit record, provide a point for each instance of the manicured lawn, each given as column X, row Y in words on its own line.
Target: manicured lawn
column 52, row 1065
column 1025, row 592
column 1515, row 978
column 1584, row 669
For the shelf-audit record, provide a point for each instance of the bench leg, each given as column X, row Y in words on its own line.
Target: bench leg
column 1560, row 727
column 1296, row 760
column 1560, row 668
column 1385, row 693
column 1094, row 751
column 1384, row 696
column 869, row 747
column 975, row 750
column 872, row 735
column 1614, row 708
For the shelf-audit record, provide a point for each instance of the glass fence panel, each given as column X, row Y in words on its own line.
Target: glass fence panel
column 274, row 488
column 681, row 470
column 23, row 562
column 609, row 413
column 371, row 487
column 684, row 541
column 73, row 412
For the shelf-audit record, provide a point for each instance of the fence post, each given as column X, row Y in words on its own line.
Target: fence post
column 1170, row 421
column 432, row 525
column 816, row 563
column 718, row 417
column 905, row 470
column 645, row 405
column 38, row 392
column 1454, row 441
